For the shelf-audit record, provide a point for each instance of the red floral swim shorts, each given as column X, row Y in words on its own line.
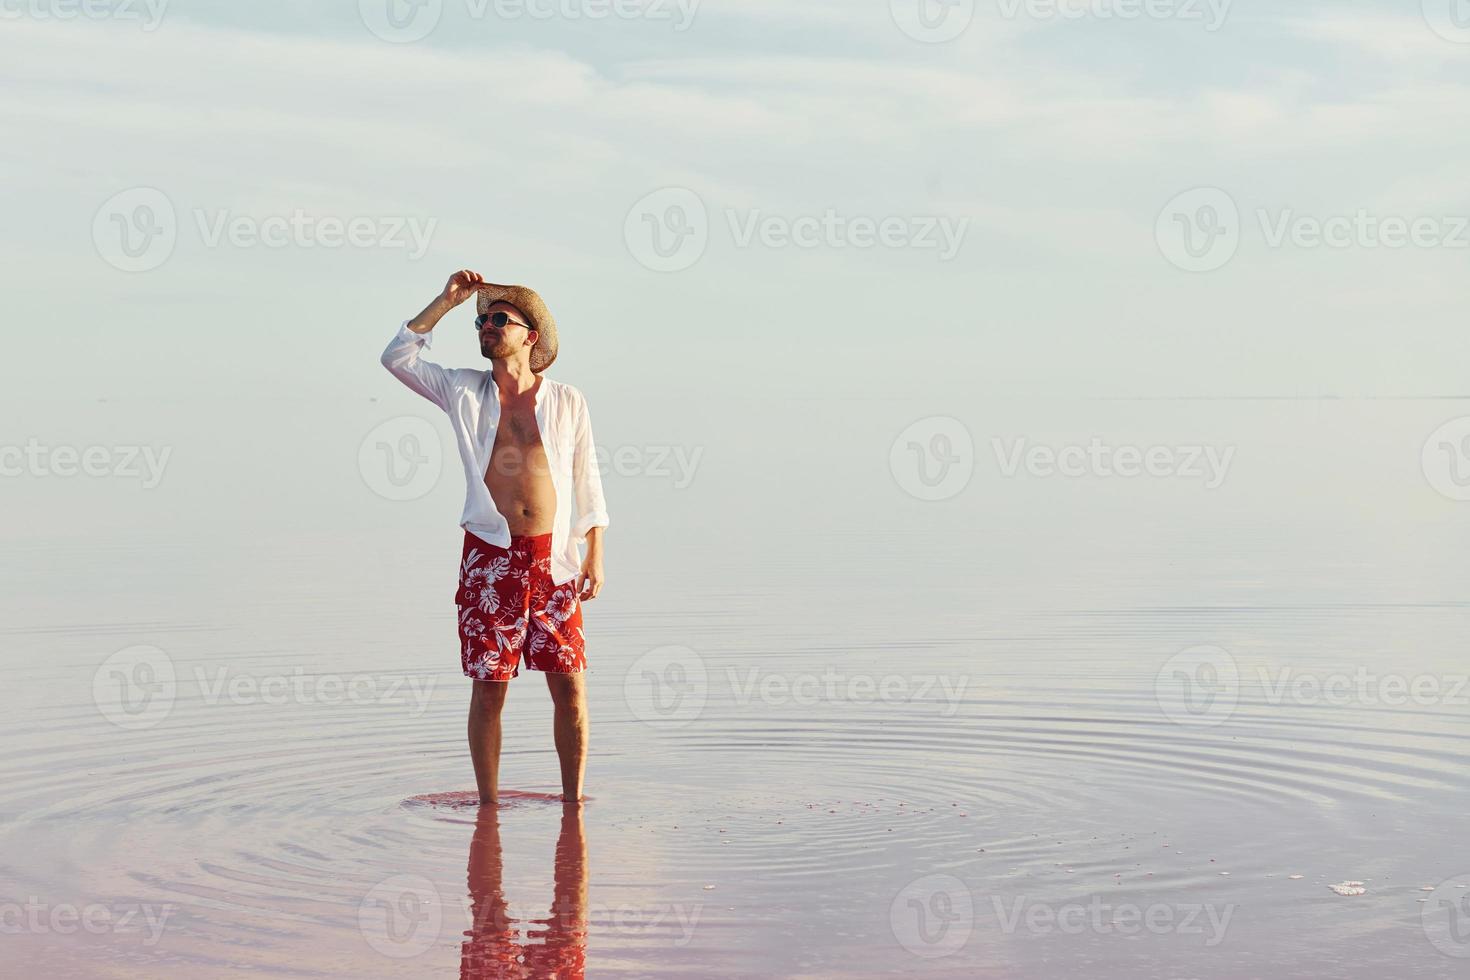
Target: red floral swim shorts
column 510, row 611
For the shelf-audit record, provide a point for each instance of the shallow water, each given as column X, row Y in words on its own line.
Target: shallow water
column 839, row 752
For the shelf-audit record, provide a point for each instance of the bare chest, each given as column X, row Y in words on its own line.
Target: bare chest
column 517, row 427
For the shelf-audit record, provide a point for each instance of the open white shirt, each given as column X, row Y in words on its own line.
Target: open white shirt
column 472, row 401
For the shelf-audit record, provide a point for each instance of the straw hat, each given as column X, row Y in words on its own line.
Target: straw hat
column 525, row 299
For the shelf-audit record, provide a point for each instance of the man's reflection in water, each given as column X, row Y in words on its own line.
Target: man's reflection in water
column 557, row 945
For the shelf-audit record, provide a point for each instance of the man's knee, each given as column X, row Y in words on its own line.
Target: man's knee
column 488, row 697
column 567, row 692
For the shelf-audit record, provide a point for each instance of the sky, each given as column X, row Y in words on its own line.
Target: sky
column 760, row 226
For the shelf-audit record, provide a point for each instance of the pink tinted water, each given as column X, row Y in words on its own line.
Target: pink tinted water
column 1007, row 805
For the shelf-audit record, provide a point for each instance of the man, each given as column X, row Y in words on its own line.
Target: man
column 526, row 444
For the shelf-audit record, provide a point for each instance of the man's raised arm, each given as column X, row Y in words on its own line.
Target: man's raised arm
column 401, row 356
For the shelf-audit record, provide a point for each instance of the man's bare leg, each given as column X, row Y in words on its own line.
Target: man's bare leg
column 486, row 700
column 569, row 696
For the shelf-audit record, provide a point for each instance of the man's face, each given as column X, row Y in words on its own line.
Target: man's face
column 501, row 343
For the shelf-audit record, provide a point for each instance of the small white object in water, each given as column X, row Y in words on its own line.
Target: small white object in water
column 1295, row 877
column 709, row 888
column 1349, row 888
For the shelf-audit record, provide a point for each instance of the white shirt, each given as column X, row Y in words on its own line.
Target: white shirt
column 472, row 401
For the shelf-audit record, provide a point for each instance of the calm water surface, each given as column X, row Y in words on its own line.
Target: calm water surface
column 1132, row 748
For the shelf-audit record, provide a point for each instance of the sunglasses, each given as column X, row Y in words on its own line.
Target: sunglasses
column 498, row 320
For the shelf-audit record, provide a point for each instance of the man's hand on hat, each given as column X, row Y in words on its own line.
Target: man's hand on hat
column 462, row 285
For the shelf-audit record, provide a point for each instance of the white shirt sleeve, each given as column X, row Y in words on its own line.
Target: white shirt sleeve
column 586, row 477
column 401, row 357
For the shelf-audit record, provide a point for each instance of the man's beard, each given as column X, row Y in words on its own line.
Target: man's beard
column 498, row 349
